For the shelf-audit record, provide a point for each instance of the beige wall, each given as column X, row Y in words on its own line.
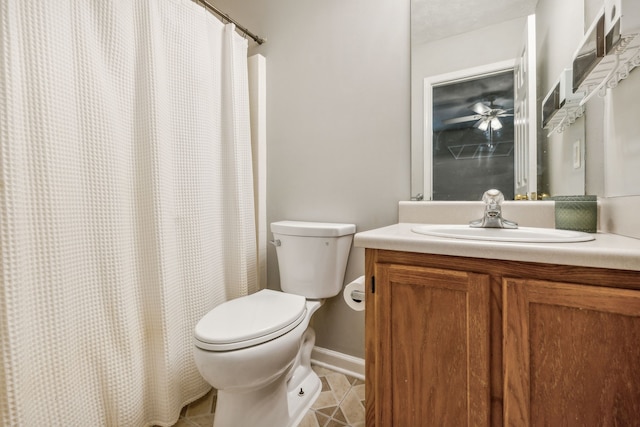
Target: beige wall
column 337, row 124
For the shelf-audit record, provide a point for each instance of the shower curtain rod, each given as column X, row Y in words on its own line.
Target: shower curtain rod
column 217, row 11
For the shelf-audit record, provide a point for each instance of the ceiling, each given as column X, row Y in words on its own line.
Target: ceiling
column 437, row 19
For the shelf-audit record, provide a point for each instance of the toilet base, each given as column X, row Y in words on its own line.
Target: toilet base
column 282, row 403
column 267, row 408
column 300, row 404
column 303, row 384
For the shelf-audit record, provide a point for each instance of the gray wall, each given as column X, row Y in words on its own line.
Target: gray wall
column 337, row 125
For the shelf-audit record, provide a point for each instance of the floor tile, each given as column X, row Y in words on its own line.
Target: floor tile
column 325, row 384
column 325, row 399
column 202, row 420
column 201, row 406
column 328, row 411
column 359, row 390
column 309, row 420
column 339, row 384
column 352, row 408
column 322, row 419
column 339, row 416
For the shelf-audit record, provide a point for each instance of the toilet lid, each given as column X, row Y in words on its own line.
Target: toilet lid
column 250, row 320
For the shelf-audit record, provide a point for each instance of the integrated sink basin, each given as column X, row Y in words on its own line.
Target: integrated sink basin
column 521, row 234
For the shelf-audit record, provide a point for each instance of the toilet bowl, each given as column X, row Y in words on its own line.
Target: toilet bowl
column 256, row 350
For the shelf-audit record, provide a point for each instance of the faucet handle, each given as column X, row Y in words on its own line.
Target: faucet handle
column 493, row 212
column 493, row 196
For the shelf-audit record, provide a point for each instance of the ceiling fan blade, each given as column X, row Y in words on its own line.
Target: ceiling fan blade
column 480, row 108
column 461, row 119
column 504, row 115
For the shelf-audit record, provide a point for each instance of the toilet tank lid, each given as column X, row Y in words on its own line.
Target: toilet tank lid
column 312, row 229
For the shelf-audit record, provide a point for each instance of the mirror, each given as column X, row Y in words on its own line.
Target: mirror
column 448, row 36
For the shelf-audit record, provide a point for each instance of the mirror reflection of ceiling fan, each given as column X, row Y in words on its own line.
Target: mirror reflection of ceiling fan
column 486, row 117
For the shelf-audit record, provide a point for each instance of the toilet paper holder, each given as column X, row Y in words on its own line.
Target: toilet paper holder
column 357, row 296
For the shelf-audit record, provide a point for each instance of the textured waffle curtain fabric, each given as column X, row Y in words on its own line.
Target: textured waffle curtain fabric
column 126, row 205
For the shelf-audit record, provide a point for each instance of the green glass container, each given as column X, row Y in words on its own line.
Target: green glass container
column 578, row 213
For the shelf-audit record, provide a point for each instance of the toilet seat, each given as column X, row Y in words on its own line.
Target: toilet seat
column 250, row 320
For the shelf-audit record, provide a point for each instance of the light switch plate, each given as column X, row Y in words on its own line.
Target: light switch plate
column 577, row 155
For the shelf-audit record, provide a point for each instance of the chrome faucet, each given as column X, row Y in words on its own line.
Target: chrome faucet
column 493, row 212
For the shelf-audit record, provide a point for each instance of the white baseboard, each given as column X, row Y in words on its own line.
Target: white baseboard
column 339, row 362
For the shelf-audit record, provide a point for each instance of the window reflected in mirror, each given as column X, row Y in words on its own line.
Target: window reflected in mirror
column 473, row 137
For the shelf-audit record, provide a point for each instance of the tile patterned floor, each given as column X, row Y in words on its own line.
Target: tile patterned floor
column 340, row 404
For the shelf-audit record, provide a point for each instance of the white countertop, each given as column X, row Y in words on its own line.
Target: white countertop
column 606, row 251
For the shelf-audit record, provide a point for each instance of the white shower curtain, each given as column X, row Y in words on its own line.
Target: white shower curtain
column 126, row 205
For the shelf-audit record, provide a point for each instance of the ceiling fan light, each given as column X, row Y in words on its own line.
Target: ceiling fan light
column 495, row 124
column 484, row 125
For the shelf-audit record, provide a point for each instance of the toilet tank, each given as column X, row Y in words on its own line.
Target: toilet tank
column 312, row 256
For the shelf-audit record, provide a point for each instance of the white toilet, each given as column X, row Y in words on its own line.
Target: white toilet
column 256, row 350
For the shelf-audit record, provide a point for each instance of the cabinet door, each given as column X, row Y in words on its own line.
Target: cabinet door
column 432, row 347
column 571, row 354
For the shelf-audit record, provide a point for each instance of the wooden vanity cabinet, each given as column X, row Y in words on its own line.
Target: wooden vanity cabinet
column 454, row 341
